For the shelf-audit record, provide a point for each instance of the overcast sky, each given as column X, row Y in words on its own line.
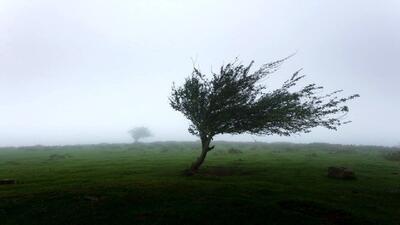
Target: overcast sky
column 74, row 72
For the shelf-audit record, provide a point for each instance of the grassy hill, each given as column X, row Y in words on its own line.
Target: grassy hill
column 240, row 183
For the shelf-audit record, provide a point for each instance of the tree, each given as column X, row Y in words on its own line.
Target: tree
column 140, row 132
column 234, row 101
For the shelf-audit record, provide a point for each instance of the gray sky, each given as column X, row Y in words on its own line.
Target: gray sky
column 75, row 72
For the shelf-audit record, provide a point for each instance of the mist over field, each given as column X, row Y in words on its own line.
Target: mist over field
column 199, row 112
column 81, row 72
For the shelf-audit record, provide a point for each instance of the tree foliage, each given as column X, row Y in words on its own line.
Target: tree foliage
column 138, row 133
column 235, row 101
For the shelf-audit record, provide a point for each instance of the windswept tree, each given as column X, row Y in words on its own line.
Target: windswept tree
column 235, row 101
column 139, row 133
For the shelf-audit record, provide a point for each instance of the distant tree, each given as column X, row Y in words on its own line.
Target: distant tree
column 234, row 101
column 139, row 133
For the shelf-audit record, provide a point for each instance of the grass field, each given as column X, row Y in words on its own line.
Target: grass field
column 240, row 183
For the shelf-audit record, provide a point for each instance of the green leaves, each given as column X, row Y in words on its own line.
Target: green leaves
column 234, row 101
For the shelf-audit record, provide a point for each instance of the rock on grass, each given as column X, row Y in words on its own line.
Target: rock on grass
column 341, row 173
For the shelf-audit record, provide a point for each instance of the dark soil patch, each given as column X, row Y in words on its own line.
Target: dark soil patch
column 7, row 181
column 223, row 171
column 309, row 208
column 342, row 173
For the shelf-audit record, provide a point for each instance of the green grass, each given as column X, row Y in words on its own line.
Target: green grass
column 143, row 184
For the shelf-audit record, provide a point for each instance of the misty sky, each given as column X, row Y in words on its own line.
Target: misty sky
column 74, row 72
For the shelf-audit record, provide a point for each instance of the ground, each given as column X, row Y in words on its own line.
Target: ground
column 240, row 183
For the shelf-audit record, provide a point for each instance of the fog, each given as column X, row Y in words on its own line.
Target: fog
column 81, row 72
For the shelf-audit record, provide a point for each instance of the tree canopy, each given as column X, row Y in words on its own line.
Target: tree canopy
column 235, row 100
column 138, row 133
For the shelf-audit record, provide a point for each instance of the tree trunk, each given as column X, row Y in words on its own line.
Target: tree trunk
column 205, row 148
column 196, row 165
